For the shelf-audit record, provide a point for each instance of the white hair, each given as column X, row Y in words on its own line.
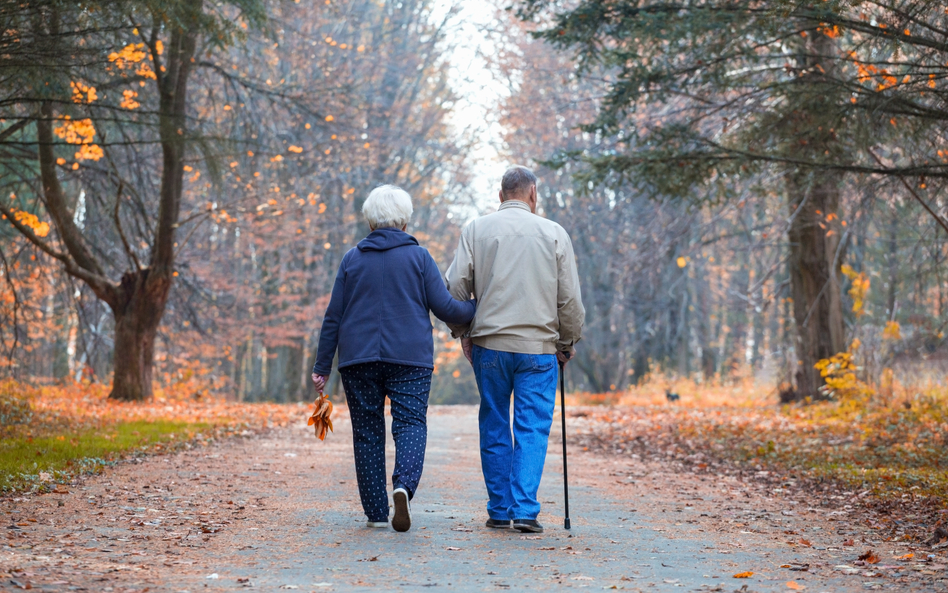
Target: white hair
column 387, row 206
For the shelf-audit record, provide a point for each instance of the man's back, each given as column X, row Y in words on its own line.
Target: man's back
column 521, row 269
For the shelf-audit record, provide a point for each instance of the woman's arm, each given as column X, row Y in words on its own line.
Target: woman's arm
column 329, row 334
column 440, row 301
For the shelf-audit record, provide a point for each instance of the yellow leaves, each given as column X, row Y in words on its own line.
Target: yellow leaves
column 839, row 373
column 60, row 161
column 744, row 575
column 931, row 81
column 360, row 49
column 296, row 149
column 892, row 331
column 322, row 208
column 277, row 158
column 40, row 229
column 327, row 245
column 858, row 290
column 82, row 93
column 128, row 100
column 159, row 47
column 682, row 262
column 329, row 118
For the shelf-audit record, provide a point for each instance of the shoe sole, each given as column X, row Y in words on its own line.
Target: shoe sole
column 402, row 519
column 527, row 528
column 498, row 526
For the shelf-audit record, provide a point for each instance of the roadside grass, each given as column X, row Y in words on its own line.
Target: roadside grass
column 27, row 462
column 51, row 434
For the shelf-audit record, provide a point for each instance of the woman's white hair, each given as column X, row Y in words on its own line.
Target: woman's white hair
column 388, row 206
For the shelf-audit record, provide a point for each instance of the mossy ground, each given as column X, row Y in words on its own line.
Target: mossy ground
column 27, row 462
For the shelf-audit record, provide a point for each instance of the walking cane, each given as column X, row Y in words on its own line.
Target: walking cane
column 566, row 524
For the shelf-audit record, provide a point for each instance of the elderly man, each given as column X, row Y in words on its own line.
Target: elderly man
column 522, row 271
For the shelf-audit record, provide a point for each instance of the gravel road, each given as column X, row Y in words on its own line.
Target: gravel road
column 280, row 511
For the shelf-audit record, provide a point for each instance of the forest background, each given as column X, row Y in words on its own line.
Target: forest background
column 742, row 206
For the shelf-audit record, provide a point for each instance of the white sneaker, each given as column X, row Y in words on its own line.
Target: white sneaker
column 376, row 524
column 402, row 519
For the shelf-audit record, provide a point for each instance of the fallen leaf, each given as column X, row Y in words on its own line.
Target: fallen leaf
column 795, row 586
column 744, row 575
column 453, row 549
column 869, row 557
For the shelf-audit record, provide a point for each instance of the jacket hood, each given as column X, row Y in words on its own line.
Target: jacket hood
column 385, row 239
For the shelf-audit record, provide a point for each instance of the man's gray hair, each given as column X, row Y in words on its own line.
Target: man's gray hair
column 388, row 206
column 517, row 182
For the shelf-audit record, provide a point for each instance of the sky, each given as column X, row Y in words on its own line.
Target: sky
column 475, row 112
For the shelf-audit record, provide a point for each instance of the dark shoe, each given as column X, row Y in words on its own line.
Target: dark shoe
column 402, row 519
column 498, row 524
column 527, row 526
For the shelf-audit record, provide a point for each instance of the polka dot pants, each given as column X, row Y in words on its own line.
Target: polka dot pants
column 407, row 387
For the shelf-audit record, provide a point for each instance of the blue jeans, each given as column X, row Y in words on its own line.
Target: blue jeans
column 513, row 468
column 407, row 387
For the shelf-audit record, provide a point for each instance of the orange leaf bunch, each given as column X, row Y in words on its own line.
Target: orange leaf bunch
column 320, row 418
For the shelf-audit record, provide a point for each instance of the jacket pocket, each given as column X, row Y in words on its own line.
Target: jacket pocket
column 543, row 362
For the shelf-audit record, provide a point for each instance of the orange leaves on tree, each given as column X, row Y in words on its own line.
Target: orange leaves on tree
column 40, row 229
column 295, row 149
column 133, row 56
column 82, row 93
column 320, row 420
column 128, row 100
column 81, row 132
column 830, row 31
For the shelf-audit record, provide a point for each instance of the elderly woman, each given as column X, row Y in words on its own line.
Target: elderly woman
column 378, row 318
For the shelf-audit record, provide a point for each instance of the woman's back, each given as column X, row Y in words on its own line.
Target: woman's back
column 383, row 292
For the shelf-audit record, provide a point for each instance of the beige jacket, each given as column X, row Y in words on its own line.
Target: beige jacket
column 521, row 269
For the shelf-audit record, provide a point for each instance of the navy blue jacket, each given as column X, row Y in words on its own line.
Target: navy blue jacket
column 379, row 306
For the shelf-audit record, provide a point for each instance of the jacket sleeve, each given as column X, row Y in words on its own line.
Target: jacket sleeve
column 569, row 299
column 460, row 276
column 329, row 334
column 440, row 301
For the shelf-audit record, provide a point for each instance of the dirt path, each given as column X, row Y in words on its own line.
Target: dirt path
column 280, row 511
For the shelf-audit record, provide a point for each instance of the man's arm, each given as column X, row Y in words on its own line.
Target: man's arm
column 459, row 278
column 569, row 299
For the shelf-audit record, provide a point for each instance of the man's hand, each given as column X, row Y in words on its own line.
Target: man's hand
column 563, row 357
column 319, row 381
column 467, row 346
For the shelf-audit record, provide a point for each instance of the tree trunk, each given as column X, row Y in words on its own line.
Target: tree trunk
column 814, row 278
column 137, row 318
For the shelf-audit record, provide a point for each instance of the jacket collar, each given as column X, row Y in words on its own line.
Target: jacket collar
column 514, row 204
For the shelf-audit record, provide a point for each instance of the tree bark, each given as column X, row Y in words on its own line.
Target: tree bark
column 814, row 279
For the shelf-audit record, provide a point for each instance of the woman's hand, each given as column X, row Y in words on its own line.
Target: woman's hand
column 319, row 381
